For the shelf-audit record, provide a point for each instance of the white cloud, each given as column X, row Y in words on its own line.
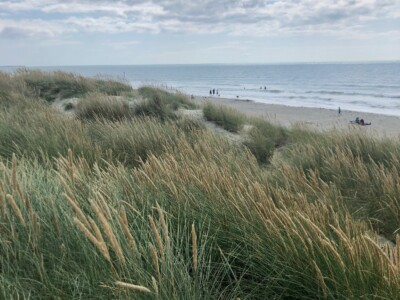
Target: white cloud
column 235, row 17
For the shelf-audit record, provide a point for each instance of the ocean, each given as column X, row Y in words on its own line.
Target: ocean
column 363, row 87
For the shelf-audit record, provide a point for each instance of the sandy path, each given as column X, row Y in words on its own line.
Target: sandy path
column 318, row 118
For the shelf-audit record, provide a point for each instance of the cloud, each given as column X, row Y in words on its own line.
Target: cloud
column 234, row 17
column 12, row 33
column 13, row 29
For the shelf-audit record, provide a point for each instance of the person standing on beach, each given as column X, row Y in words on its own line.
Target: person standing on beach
column 210, row 92
column 339, row 111
column 213, row 91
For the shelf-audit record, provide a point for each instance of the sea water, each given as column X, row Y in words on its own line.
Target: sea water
column 364, row 87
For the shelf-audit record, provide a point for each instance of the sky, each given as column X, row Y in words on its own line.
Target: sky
column 126, row 32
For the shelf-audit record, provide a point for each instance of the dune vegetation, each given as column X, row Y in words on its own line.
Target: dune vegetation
column 126, row 199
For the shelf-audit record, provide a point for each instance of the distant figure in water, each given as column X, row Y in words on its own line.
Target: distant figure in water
column 210, row 92
column 265, row 88
column 237, row 97
column 217, row 92
column 339, row 111
column 213, row 91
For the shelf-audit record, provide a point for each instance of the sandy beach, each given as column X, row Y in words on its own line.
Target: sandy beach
column 316, row 118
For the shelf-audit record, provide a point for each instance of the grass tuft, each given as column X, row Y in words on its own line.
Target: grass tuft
column 98, row 106
column 228, row 118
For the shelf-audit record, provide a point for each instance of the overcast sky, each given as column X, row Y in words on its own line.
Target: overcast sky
column 104, row 32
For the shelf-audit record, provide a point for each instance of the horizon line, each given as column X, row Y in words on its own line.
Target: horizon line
column 207, row 64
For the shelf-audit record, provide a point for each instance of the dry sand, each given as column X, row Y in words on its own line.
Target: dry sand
column 316, row 118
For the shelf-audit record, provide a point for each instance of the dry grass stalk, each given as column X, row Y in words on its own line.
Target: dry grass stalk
column 35, row 225
column 16, row 209
column 125, row 227
column 103, row 205
column 14, row 172
column 65, row 186
column 109, row 232
column 154, row 257
column 137, row 288
column 99, row 236
column 321, row 280
column 154, row 284
column 77, row 209
column 164, row 227
column 71, row 166
column 157, row 236
column 3, row 207
column 54, row 221
column 100, row 245
column 194, row 247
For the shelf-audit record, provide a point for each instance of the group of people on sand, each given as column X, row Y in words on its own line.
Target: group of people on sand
column 214, row 92
column 357, row 121
column 360, row 122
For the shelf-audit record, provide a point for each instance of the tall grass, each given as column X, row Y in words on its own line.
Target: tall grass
column 53, row 85
column 160, row 104
column 263, row 138
column 35, row 130
column 146, row 209
column 228, row 118
column 363, row 169
column 98, row 106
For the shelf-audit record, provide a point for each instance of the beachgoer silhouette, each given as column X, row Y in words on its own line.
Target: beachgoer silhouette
column 213, row 91
column 210, row 92
column 362, row 122
column 217, row 92
column 265, row 87
column 339, row 110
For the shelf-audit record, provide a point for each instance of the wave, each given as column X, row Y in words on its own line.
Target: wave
column 379, row 86
column 353, row 94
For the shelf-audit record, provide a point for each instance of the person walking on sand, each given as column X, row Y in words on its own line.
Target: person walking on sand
column 210, row 92
column 339, row 111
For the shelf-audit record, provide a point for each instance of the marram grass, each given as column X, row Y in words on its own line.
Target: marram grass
column 161, row 209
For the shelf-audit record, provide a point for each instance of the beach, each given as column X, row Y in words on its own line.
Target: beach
column 314, row 118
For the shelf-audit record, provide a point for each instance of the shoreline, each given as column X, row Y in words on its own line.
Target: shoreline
column 321, row 119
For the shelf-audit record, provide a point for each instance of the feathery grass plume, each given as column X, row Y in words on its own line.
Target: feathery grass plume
column 16, row 209
column 108, row 231
column 137, row 288
column 99, row 244
column 77, row 209
column 125, row 227
column 194, row 247
column 154, row 257
column 321, row 281
column 103, row 205
column 154, row 284
column 14, row 172
column 3, row 206
column 55, row 221
column 164, row 226
column 35, row 225
column 71, row 165
column 157, row 237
